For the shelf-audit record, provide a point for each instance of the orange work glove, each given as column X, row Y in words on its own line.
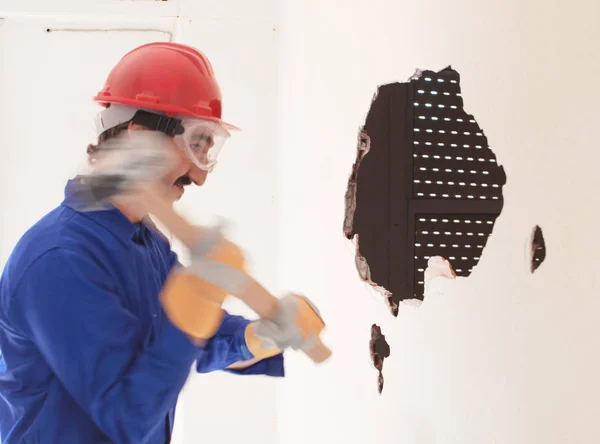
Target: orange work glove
column 260, row 347
column 193, row 304
column 297, row 325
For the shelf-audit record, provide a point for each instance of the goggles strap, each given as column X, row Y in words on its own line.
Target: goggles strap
column 168, row 125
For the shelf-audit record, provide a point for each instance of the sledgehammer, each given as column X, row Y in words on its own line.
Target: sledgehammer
column 131, row 165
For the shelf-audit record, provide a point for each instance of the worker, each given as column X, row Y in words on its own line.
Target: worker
column 88, row 352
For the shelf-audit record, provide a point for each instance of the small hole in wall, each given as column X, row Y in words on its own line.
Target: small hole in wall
column 379, row 349
column 538, row 248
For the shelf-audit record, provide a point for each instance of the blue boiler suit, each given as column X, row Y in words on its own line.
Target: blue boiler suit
column 87, row 355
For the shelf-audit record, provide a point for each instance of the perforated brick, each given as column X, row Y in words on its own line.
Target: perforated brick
column 428, row 184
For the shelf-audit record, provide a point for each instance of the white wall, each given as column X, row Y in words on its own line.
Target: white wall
column 47, row 81
column 503, row 357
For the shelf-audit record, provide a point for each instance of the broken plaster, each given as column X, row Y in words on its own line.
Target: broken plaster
column 365, row 273
column 362, row 266
column 417, row 75
column 361, row 150
column 437, row 267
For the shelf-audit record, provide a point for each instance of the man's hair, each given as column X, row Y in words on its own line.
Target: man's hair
column 110, row 133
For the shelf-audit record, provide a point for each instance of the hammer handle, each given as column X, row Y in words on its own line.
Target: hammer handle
column 256, row 296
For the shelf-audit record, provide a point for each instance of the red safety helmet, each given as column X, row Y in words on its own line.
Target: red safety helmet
column 167, row 77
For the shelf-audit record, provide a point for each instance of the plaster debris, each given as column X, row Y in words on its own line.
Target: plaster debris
column 380, row 350
column 362, row 149
column 365, row 274
column 362, row 266
column 438, row 267
column 416, row 76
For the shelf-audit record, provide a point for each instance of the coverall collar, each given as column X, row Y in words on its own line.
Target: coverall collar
column 108, row 216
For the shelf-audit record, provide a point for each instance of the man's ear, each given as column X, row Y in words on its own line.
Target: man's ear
column 135, row 127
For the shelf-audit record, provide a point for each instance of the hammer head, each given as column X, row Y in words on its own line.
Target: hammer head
column 124, row 165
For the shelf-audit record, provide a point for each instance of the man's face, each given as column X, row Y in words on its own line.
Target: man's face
column 183, row 173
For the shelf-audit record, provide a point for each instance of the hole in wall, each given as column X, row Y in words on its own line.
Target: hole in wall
column 380, row 350
column 538, row 248
column 424, row 183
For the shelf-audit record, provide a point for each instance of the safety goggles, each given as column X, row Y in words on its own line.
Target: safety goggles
column 200, row 139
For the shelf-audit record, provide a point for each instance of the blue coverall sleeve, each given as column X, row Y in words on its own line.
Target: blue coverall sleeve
column 125, row 382
column 228, row 346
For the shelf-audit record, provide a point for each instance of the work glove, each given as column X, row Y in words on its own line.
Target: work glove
column 191, row 302
column 297, row 326
column 218, row 269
